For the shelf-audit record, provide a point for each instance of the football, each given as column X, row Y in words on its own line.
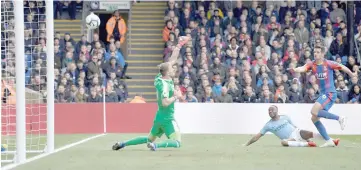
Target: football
column 92, row 21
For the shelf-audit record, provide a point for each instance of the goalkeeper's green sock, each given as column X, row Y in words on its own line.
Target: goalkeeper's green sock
column 136, row 141
column 168, row 144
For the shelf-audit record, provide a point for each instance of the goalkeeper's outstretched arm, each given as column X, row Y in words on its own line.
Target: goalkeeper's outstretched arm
column 175, row 54
column 254, row 139
column 174, row 57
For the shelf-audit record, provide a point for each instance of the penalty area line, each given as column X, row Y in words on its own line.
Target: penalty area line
column 11, row 166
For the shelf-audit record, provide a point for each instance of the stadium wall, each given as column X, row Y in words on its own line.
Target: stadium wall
column 192, row 118
column 228, row 118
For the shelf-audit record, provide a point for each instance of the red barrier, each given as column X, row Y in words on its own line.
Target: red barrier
column 130, row 118
column 83, row 118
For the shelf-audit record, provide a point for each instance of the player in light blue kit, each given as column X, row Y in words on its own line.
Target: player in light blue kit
column 323, row 70
column 283, row 128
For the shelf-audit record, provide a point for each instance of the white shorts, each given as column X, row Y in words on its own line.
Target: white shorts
column 296, row 135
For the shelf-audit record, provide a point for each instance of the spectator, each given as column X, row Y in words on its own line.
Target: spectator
column 167, row 30
column 97, row 40
column 208, row 97
column 229, row 20
column 110, row 95
column 337, row 12
column 329, row 39
column 81, row 45
column 310, row 97
column 354, row 81
column 121, row 90
column 94, row 97
column 190, row 98
column 185, row 18
column 354, row 94
column 60, row 95
column 114, row 67
column 93, row 68
column 339, row 47
column 80, row 96
column 351, row 63
column 281, row 96
column 249, row 96
column 224, row 97
column 294, row 94
column 58, row 7
column 266, row 97
column 237, row 11
column 116, row 27
column 71, row 9
column 217, row 87
column 234, row 89
column 342, row 92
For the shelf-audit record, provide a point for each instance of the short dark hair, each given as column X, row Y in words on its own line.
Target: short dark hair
column 166, row 22
column 320, row 47
column 274, row 106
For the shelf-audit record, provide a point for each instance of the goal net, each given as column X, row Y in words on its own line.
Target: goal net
column 25, row 78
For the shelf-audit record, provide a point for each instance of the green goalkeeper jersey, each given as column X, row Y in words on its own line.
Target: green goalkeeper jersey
column 165, row 89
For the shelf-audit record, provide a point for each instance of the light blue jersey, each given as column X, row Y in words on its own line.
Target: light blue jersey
column 282, row 127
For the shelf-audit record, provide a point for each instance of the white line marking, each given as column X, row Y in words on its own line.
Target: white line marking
column 348, row 146
column 8, row 167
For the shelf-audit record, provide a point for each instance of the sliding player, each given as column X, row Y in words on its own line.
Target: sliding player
column 164, row 122
column 283, row 128
column 323, row 70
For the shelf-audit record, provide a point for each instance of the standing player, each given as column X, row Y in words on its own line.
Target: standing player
column 164, row 122
column 283, row 128
column 323, row 70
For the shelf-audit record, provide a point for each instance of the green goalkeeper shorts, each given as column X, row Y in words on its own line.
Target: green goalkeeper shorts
column 169, row 128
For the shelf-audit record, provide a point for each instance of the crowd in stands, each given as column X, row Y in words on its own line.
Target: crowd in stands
column 240, row 52
column 82, row 68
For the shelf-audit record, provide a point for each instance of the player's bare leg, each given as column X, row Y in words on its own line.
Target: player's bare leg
column 135, row 141
column 321, row 113
column 294, row 143
column 307, row 135
column 317, row 107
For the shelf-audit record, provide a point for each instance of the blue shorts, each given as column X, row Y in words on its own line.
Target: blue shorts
column 327, row 100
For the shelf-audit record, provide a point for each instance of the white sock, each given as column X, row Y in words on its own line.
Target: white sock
column 297, row 144
column 317, row 136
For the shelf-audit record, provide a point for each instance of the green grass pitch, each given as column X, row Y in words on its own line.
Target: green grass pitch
column 200, row 152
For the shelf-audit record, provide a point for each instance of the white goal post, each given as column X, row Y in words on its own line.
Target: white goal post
column 18, row 153
column 27, row 112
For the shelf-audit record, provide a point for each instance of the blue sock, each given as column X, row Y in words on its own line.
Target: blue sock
column 327, row 115
column 321, row 129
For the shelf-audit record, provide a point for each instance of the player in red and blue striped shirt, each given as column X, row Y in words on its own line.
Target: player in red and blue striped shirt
column 323, row 70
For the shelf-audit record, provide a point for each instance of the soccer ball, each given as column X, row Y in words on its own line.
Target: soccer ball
column 92, row 21
column 94, row 5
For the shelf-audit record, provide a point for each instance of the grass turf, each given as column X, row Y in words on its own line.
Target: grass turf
column 38, row 143
column 202, row 152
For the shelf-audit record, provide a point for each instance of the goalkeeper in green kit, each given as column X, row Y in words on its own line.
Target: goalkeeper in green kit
column 164, row 122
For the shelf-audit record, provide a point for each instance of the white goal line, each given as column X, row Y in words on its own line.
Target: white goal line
column 8, row 167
